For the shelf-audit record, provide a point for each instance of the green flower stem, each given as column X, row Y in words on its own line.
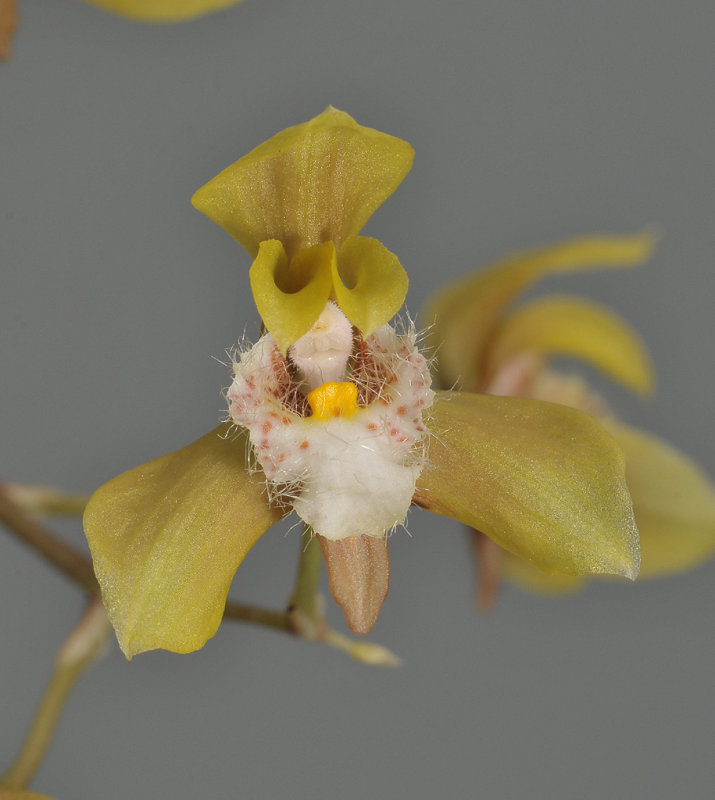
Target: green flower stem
column 305, row 608
column 82, row 647
column 366, row 652
column 285, row 621
column 33, row 533
column 304, row 617
column 46, row 501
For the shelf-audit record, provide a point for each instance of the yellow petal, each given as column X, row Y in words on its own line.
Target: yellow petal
column 527, row 576
column 369, row 282
column 673, row 502
column 167, row 537
column 544, row 481
column 162, row 10
column 573, row 327
column 465, row 313
column 313, row 183
column 291, row 295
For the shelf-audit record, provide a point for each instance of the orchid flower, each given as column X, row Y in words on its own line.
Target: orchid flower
column 331, row 414
column 489, row 346
column 162, row 10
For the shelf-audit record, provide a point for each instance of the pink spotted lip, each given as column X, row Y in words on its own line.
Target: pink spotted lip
column 347, row 476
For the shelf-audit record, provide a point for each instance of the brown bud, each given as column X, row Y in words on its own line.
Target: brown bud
column 359, row 573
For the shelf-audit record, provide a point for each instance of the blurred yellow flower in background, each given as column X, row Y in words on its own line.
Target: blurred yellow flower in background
column 138, row 10
column 162, row 10
column 487, row 345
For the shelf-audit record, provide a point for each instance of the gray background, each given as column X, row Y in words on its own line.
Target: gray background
column 532, row 122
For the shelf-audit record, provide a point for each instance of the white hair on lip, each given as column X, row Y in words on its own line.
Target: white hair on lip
column 346, row 475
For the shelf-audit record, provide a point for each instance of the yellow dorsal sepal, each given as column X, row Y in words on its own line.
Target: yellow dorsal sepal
column 334, row 399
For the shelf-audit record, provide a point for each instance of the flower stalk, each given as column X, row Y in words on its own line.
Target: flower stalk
column 36, row 535
column 81, row 649
column 303, row 618
column 305, row 609
column 46, row 501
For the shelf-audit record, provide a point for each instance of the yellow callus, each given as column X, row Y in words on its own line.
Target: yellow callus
column 334, row 399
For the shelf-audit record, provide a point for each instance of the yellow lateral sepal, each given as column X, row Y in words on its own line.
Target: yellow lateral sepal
column 531, row 579
column 167, row 537
column 543, row 481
